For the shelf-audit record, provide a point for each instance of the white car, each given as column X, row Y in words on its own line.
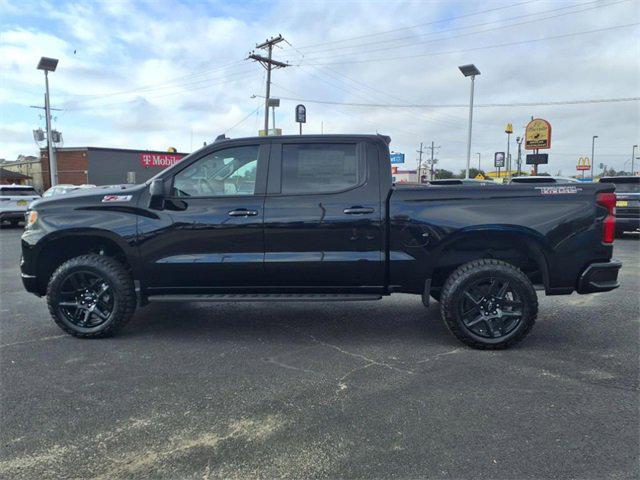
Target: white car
column 14, row 202
column 63, row 188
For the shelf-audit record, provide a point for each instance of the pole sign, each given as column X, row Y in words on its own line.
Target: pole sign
column 537, row 159
column 498, row 159
column 161, row 160
column 583, row 164
column 537, row 135
column 397, row 158
column 301, row 114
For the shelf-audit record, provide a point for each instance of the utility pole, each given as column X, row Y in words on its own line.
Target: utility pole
column 269, row 63
column 432, row 148
column 519, row 142
column 420, row 163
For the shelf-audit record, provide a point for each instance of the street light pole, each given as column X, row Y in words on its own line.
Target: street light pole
column 478, row 153
column 49, row 65
column 633, row 156
column 470, row 71
column 519, row 142
column 593, row 160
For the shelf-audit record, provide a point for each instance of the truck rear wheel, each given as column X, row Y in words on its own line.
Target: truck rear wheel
column 91, row 296
column 489, row 304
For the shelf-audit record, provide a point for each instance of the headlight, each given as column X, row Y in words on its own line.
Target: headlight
column 31, row 219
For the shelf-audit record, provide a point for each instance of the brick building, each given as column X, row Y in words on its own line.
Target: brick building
column 105, row 166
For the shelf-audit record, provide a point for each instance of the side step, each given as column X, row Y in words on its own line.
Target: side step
column 266, row 297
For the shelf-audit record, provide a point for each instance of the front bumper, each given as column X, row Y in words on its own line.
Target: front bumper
column 627, row 224
column 30, row 283
column 599, row 277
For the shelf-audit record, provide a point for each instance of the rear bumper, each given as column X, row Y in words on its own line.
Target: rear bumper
column 12, row 215
column 599, row 277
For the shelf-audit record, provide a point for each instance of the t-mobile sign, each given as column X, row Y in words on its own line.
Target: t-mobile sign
column 161, row 160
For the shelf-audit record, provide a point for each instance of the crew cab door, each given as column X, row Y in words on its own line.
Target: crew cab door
column 323, row 223
column 209, row 233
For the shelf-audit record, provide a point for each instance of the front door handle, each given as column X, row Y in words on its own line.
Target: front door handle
column 358, row 210
column 243, row 212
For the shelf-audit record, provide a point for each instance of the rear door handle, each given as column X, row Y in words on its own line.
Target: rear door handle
column 243, row 212
column 358, row 210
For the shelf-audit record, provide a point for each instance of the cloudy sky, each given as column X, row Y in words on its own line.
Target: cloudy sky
column 154, row 74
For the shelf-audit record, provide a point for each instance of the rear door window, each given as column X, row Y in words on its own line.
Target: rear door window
column 320, row 168
column 18, row 192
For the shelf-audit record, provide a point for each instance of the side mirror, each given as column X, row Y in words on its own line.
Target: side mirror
column 156, row 194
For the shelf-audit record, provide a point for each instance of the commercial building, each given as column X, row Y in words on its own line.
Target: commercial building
column 105, row 166
column 404, row 176
column 8, row 177
column 30, row 168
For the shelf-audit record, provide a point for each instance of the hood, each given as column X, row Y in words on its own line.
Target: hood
column 90, row 196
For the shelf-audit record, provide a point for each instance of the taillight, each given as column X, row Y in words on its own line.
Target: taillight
column 608, row 200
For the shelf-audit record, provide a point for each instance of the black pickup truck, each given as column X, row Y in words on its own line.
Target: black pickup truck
column 317, row 218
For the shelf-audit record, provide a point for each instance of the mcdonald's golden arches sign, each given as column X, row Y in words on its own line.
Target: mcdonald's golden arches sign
column 583, row 164
column 537, row 136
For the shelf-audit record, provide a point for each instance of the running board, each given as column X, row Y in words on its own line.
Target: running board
column 266, row 297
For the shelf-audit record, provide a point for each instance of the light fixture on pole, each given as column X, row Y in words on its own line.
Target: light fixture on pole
column 469, row 71
column 273, row 103
column 593, row 158
column 49, row 65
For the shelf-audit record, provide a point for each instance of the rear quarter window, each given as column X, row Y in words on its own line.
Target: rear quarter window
column 18, row 192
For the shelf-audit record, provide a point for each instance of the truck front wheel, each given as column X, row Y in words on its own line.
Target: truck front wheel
column 91, row 296
column 489, row 304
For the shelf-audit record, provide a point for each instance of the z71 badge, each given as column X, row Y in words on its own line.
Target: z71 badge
column 559, row 190
column 116, row 198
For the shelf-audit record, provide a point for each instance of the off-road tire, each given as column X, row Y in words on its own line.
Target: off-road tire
column 123, row 291
column 454, row 289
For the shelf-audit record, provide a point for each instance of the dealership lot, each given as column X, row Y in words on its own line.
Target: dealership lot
column 361, row 390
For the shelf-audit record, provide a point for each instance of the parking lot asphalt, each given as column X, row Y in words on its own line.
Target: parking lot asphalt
column 354, row 390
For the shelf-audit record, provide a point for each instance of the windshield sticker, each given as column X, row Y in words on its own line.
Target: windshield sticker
column 116, row 198
column 559, row 190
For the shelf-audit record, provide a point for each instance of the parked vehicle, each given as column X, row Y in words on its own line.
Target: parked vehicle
column 14, row 201
column 628, row 202
column 63, row 188
column 316, row 218
column 543, row 179
column 461, row 181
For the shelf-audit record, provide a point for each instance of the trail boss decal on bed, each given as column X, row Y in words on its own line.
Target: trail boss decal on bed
column 564, row 190
column 116, row 198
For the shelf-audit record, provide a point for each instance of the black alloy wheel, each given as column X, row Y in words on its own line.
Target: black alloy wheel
column 86, row 299
column 491, row 308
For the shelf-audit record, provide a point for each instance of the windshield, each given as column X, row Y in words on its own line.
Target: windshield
column 624, row 185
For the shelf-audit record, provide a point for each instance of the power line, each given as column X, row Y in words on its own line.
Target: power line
column 460, row 105
column 500, row 26
column 190, row 89
column 486, row 47
column 434, row 22
column 176, row 81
